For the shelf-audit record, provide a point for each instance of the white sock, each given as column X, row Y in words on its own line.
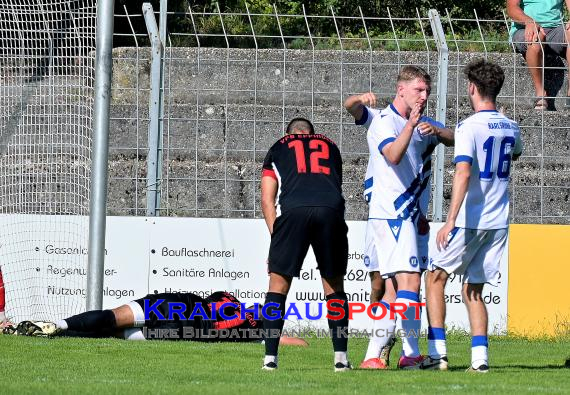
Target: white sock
column 2, row 317
column 133, row 334
column 340, row 356
column 270, row 358
column 410, row 327
column 437, row 346
column 61, row 324
column 382, row 332
column 479, row 347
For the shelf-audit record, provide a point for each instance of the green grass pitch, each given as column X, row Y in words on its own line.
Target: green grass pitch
column 106, row 366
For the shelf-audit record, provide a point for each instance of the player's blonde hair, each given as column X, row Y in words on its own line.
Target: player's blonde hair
column 410, row 73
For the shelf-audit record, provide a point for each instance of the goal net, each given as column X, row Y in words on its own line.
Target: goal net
column 46, row 104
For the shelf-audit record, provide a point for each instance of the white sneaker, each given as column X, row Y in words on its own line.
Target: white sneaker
column 481, row 369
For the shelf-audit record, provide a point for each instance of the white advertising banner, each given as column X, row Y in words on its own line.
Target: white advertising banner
column 204, row 255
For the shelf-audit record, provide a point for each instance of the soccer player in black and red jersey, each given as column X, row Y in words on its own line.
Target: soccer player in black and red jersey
column 128, row 321
column 302, row 202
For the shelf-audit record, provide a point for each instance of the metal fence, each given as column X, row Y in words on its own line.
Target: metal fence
column 224, row 106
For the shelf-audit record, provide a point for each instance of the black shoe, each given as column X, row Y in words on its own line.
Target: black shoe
column 269, row 366
column 9, row 330
column 342, row 367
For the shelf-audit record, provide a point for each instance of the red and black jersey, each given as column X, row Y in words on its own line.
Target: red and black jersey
column 308, row 168
column 208, row 328
column 243, row 325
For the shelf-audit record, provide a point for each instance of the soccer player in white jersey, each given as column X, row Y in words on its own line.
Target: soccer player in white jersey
column 395, row 180
column 473, row 238
column 362, row 108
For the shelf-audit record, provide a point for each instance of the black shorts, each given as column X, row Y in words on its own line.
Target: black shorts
column 294, row 231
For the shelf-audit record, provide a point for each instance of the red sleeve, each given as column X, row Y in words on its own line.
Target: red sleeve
column 269, row 173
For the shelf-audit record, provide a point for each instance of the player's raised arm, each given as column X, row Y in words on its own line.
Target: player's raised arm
column 356, row 104
column 444, row 135
column 394, row 151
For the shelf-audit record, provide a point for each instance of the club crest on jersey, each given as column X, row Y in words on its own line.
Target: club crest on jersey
column 395, row 227
column 414, row 261
column 366, row 261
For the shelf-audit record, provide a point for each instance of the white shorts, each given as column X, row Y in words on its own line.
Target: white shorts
column 391, row 247
column 474, row 253
column 138, row 314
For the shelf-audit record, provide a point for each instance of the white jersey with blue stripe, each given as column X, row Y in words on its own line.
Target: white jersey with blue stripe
column 397, row 191
column 487, row 140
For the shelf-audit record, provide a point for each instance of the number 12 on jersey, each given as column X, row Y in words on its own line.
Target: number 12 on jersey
column 319, row 150
column 505, row 156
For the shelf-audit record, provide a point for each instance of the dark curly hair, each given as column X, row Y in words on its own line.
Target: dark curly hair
column 487, row 76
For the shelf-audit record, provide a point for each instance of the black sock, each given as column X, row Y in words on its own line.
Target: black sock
column 339, row 328
column 96, row 321
column 274, row 327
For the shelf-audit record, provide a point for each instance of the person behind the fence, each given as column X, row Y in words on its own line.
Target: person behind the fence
column 538, row 27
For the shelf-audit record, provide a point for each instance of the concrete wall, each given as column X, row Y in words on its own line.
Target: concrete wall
column 199, row 83
column 224, row 109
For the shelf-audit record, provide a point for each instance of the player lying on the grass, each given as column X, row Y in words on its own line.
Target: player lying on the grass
column 128, row 321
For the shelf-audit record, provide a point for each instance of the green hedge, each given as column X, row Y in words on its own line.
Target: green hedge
column 381, row 31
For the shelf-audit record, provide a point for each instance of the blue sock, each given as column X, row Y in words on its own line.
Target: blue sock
column 437, row 346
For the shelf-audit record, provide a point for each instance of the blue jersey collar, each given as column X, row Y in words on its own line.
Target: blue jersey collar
column 394, row 109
